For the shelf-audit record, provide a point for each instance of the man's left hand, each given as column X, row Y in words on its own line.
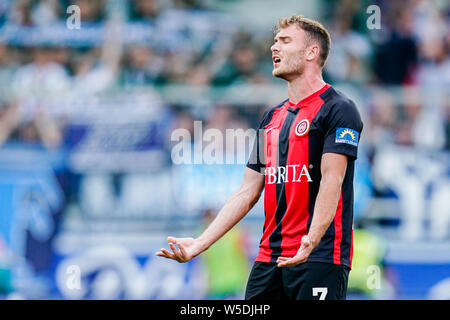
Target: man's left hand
column 302, row 254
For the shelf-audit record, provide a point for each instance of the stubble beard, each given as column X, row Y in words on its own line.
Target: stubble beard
column 289, row 71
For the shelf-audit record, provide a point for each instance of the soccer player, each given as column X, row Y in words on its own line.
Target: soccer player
column 304, row 160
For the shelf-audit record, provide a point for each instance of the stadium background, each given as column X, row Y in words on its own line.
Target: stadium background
column 88, row 191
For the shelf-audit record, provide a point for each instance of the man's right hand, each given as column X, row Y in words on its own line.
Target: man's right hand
column 188, row 248
column 234, row 210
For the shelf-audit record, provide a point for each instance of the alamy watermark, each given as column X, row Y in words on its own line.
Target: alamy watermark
column 374, row 20
column 213, row 146
column 74, row 20
column 73, row 280
column 374, row 277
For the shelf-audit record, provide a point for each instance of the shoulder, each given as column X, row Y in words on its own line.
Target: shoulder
column 339, row 111
column 337, row 103
column 335, row 99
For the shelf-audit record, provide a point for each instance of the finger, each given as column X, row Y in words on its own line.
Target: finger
column 176, row 252
column 173, row 248
column 293, row 262
column 284, row 258
column 285, row 262
column 167, row 254
column 183, row 251
column 280, row 259
column 289, row 263
column 163, row 255
column 160, row 254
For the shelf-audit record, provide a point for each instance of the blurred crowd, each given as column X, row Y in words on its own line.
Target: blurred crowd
column 409, row 53
column 398, row 75
column 178, row 61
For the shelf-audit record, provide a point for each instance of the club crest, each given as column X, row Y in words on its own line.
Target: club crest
column 302, row 128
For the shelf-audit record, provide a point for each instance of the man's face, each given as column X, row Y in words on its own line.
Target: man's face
column 288, row 52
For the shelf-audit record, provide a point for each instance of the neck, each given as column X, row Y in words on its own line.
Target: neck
column 304, row 85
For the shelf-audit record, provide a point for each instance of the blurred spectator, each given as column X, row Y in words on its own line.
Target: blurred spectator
column 142, row 66
column 8, row 112
column 8, row 121
column 40, row 78
column 383, row 115
column 97, row 69
column 198, row 59
column 145, row 9
column 61, row 56
column 8, row 66
column 91, row 10
column 241, row 68
column 368, row 279
column 396, row 58
column 177, row 66
column 189, row 4
column 429, row 19
column 220, row 117
column 199, row 75
column 21, row 13
column 227, row 276
column 46, row 12
column 4, row 11
column 32, row 12
column 350, row 52
column 32, row 86
column 434, row 69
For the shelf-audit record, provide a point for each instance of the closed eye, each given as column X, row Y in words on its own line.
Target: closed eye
column 283, row 39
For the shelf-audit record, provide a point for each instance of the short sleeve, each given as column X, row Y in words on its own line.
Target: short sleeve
column 256, row 160
column 343, row 127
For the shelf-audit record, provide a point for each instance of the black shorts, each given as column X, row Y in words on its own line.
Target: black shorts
column 306, row 281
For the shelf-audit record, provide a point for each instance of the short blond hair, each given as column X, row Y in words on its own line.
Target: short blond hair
column 315, row 30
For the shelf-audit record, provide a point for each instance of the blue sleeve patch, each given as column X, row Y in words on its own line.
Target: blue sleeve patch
column 346, row 135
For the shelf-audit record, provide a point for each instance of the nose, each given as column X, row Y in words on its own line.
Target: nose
column 274, row 48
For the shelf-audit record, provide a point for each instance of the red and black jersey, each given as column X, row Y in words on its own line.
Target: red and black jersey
column 288, row 151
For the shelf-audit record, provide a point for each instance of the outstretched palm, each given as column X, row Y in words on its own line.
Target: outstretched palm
column 301, row 256
column 187, row 249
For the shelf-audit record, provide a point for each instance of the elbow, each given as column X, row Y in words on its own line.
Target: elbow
column 333, row 179
column 249, row 197
column 254, row 199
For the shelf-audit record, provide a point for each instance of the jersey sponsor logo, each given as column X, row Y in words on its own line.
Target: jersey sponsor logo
column 302, row 128
column 346, row 135
column 288, row 173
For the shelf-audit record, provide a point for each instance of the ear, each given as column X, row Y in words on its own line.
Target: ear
column 312, row 52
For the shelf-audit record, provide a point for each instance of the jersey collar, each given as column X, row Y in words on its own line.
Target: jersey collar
column 308, row 99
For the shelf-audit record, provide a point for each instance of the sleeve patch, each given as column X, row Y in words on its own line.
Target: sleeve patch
column 347, row 135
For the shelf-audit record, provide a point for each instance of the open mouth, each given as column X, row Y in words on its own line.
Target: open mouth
column 276, row 59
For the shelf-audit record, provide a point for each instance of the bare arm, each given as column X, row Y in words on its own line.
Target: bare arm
column 49, row 129
column 333, row 169
column 9, row 119
column 237, row 206
column 333, row 172
column 112, row 48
